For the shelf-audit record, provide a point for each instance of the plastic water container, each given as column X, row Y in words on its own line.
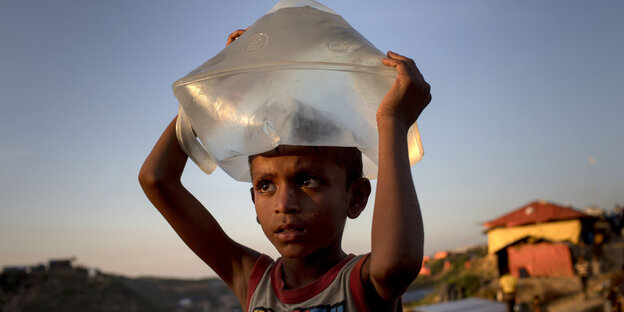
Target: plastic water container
column 300, row 75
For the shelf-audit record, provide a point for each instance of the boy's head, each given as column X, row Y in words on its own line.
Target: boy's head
column 303, row 196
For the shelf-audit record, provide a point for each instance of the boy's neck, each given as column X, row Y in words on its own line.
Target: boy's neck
column 299, row 272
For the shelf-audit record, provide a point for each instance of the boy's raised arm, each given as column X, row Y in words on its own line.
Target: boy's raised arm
column 397, row 231
column 160, row 179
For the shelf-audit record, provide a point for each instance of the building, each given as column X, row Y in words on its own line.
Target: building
column 441, row 255
column 424, row 269
column 61, row 264
column 535, row 239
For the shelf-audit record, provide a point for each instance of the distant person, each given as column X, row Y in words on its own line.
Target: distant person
column 598, row 244
column 507, row 283
column 614, row 299
column 536, row 305
column 582, row 270
column 460, row 292
column 615, row 296
column 302, row 197
column 455, row 292
column 596, row 266
column 582, row 249
column 445, row 294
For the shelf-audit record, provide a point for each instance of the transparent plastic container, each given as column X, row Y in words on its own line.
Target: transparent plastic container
column 300, row 75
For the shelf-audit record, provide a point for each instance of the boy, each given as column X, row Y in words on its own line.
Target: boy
column 302, row 197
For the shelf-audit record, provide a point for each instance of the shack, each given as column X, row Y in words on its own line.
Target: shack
column 535, row 239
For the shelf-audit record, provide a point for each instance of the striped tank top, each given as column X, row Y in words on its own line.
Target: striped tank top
column 338, row 290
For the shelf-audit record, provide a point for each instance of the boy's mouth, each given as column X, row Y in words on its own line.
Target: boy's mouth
column 289, row 232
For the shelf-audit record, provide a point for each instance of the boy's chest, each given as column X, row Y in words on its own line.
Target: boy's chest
column 333, row 295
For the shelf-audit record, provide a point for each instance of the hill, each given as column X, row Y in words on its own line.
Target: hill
column 70, row 289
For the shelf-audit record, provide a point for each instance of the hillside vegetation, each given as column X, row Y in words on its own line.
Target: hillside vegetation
column 72, row 289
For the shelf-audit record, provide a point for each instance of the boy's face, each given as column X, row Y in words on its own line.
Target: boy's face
column 301, row 201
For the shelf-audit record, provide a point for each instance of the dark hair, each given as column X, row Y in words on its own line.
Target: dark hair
column 349, row 158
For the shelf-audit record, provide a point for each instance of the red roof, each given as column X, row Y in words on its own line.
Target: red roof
column 535, row 212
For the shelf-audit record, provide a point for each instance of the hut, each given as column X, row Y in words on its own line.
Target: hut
column 535, row 239
column 61, row 264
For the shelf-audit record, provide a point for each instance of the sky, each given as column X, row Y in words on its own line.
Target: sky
column 524, row 93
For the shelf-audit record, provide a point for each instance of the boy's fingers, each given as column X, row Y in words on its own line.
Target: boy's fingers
column 393, row 55
column 396, row 55
column 410, row 71
column 398, row 65
column 234, row 35
column 405, row 67
column 410, row 65
column 237, row 34
column 392, row 62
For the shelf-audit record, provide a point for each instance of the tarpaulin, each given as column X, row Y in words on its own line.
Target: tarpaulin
column 543, row 259
column 559, row 231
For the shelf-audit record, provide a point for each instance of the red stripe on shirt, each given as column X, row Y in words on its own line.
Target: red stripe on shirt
column 291, row 296
column 258, row 269
column 357, row 288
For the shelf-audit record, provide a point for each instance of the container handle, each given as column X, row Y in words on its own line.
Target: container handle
column 190, row 144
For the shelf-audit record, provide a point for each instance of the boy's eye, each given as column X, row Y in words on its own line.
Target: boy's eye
column 309, row 182
column 265, row 187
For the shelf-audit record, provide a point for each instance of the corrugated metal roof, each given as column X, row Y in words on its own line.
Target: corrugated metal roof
column 464, row 305
column 535, row 212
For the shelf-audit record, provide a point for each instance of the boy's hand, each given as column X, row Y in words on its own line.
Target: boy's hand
column 234, row 35
column 409, row 95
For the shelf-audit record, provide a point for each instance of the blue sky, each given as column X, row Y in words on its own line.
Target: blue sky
column 524, row 92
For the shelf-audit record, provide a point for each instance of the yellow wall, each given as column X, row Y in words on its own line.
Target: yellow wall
column 569, row 230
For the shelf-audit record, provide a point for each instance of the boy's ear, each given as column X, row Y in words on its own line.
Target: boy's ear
column 360, row 191
column 253, row 199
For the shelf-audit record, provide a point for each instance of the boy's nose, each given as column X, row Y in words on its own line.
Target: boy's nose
column 287, row 201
